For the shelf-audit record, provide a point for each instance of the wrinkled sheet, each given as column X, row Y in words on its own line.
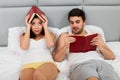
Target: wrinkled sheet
column 11, row 62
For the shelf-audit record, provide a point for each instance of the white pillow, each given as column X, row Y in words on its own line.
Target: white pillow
column 54, row 31
column 14, row 34
column 13, row 38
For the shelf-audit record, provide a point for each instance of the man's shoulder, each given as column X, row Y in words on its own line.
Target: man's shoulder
column 64, row 34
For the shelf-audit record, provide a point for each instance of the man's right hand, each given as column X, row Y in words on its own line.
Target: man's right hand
column 69, row 40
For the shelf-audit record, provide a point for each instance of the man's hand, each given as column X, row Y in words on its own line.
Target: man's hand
column 69, row 40
column 98, row 41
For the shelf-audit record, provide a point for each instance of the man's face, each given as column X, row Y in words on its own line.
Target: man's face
column 76, row 24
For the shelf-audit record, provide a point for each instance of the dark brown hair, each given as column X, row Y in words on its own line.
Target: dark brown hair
column 77, row 12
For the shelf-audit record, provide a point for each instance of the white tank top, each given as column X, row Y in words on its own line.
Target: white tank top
column 37, row 52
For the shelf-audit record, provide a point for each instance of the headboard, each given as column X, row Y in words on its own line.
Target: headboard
column 105, row 14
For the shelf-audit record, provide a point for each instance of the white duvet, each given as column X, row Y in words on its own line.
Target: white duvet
column 11, row 62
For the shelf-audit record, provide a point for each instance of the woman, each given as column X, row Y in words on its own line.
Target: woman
column 37, row 40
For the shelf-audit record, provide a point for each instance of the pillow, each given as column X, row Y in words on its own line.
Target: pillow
column 13, row 38
column 14, row 34
column 95, row 29
column 91, row 28
column 54, row 31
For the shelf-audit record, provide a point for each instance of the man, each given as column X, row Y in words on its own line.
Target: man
column 82, row 68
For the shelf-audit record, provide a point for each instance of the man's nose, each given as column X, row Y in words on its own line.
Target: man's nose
column 74, row 24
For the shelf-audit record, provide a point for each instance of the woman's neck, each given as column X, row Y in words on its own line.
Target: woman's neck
column 39, row 37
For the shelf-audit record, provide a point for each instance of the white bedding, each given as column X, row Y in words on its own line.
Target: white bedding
column 10, row 63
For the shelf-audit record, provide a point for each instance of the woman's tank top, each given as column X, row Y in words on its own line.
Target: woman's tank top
column 37, row 52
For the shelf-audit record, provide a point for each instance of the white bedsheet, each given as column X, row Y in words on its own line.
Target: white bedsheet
column 10, row 63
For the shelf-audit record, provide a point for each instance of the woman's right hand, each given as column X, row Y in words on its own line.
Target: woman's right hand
column 26, row 21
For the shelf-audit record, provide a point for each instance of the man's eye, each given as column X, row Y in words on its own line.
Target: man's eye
column 77, row 22
column 71, row 22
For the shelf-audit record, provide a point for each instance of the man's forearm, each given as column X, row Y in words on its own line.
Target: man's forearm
column 107, row 53
column 60, row 54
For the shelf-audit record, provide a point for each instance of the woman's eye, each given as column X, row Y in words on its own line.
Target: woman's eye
column 32, row 23
column 40, row 22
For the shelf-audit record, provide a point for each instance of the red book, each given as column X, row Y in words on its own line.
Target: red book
column 35, row 11
column 82, row 43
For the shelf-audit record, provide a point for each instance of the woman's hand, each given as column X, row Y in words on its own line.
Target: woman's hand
column 45, row 22
column 26, row 21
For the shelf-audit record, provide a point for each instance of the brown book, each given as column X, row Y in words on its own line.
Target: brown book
column 82, row 43
column 35, row 11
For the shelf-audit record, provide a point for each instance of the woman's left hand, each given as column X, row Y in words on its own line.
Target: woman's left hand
column 44, row 21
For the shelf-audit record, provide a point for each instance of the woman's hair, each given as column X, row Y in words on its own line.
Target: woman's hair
column 32, row 35
column 77, row 12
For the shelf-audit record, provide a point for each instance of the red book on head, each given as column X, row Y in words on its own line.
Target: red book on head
column 35, row 11
column 82, row 43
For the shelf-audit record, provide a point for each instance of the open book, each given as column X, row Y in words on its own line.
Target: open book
column 82, row 43
column 35, row 11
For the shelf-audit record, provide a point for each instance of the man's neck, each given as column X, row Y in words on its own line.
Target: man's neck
column 82, row 34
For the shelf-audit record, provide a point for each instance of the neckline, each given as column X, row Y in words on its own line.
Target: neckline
column 37, row 40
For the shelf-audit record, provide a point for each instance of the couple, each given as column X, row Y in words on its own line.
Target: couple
column 37, row 36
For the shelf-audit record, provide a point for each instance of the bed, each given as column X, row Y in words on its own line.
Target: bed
column 105, row 14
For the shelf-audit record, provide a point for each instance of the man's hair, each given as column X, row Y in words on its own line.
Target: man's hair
column 77, row 12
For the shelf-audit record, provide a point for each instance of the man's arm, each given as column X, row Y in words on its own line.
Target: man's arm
column 106, row 52
column 62, row 46
column 103, row 48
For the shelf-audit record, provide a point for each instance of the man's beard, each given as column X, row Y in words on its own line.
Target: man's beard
column 77, row 31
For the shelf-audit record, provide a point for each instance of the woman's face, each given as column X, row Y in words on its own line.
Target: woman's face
column 36, row 26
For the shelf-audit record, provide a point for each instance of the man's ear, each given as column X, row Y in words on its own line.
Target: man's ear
column 84, row 22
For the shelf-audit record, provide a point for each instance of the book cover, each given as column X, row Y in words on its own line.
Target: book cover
column 35, row 11
column 82, row 43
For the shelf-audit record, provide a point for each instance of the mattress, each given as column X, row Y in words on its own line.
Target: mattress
column 10, row 63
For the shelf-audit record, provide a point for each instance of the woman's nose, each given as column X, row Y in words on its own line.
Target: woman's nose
column 37, row 26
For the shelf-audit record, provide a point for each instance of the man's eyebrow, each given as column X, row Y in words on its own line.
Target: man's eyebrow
column 78, row 20
column 71, row 21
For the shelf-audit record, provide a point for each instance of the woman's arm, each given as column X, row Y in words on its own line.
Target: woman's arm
column 49, row 37
column 25, row 39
